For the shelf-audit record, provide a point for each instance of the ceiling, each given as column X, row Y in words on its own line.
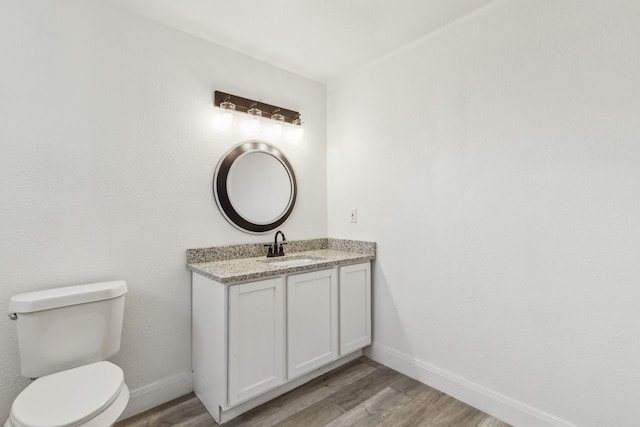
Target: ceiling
column 318, row 39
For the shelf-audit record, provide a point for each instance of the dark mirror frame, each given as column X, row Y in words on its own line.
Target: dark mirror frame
column 221, row 194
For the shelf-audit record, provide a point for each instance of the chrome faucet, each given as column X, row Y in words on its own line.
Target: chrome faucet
column 277, row 249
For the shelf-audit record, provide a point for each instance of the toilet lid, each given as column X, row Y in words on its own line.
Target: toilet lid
column 68, row 398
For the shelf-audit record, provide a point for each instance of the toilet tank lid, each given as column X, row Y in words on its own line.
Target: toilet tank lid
column 69, row 295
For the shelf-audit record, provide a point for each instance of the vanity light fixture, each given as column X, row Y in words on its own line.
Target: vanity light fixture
column 255, row 109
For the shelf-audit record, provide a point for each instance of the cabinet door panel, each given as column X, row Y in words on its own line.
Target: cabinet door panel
column 256, row 338
column 355, row 307
column 312, row 321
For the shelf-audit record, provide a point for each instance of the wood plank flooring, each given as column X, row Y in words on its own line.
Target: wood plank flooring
column 360, row 393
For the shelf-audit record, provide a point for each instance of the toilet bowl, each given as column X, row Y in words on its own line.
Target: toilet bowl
column 93, row 395
column 65, row 336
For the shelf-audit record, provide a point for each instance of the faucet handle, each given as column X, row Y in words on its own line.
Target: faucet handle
column 271, row 251
column 281, row 248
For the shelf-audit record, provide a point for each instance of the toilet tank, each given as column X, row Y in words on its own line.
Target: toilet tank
column 67, row 327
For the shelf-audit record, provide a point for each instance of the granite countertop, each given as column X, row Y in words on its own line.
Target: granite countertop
column 230, row 271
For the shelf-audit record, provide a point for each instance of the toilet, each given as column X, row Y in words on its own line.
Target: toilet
column 65, row 336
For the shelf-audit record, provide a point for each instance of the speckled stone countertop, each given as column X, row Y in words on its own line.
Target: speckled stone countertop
column 328, row 253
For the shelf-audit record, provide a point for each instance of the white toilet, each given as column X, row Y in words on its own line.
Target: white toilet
column 65, row 336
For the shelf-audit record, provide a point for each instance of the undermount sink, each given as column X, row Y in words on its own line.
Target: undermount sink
column 292, row 261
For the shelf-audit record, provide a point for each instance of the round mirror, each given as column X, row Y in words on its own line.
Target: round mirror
column 255, row 187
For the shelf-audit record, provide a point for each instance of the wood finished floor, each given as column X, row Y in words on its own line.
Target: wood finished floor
column 360, row 393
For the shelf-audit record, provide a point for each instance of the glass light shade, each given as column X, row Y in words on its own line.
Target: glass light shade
column 254, row 113
column 228, row 106
column 227, row 113
column 298, row 129
column 253, row 122
column 278, row 120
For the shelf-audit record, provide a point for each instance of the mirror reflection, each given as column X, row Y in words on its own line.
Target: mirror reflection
column 259, row 187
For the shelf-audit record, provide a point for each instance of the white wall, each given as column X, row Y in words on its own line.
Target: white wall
column 496, row 164
column 106, row 161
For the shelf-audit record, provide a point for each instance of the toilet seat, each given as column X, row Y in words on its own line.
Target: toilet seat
column 70, row 398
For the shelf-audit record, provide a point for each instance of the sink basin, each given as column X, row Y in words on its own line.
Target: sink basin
column 292, row 261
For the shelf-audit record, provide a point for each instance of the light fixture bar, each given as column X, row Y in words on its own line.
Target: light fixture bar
column 244, row 104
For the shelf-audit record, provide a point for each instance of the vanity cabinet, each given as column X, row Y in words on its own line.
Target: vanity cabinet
column 355, row 307
column 312, row 320
column 256, row 340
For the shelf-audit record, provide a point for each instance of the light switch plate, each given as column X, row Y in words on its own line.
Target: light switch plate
column 354, row 215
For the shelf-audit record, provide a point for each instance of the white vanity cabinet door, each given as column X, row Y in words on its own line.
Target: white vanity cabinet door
column 355, row 307
column 256, row 338
column 312, row 321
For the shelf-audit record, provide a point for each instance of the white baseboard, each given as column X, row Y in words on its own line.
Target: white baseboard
column 158, row 393
column 495, row 404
